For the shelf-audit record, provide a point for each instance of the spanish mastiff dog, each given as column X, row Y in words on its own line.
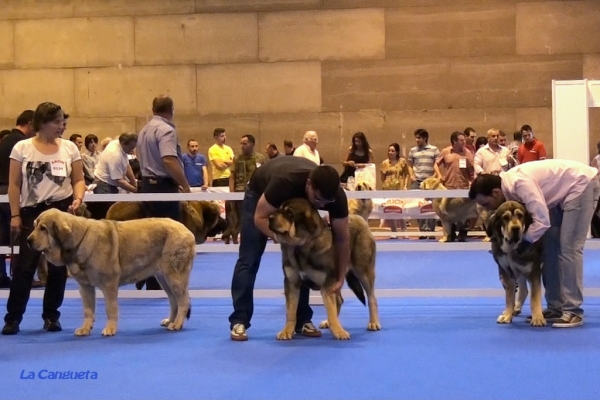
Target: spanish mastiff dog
column 108, row 254
column 202, row 218
column 506, row 229
column 362, row 207
column 452, row 211
column 309, row 257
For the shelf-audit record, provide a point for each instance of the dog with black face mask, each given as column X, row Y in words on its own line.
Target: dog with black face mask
column 517, row 260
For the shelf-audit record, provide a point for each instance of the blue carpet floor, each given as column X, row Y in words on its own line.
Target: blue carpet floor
column 416, row 270
column 429, row 348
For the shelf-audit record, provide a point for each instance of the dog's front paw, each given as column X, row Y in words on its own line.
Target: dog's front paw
column 517, row 310
column 505, row 318
column 83, row 331
column 109, row 330
column 374, row 326
column 285, row 334
column 341, row 334
column 165, row 322
column 324, row 324
column 486, row 239
column 538, row 320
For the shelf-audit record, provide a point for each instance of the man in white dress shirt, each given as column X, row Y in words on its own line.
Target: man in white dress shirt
column 309, row 148
column 561, row 196
column 493, row 158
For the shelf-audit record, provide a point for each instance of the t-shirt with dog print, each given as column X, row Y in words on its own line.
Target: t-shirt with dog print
column 45, row 178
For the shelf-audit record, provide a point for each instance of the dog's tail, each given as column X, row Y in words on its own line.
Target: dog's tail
column 356, row 287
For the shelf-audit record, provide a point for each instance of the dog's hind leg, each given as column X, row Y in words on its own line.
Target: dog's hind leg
column 172, row 300
column 88, row 296
column 537, row 316
column 368, row 283
column 111, row 293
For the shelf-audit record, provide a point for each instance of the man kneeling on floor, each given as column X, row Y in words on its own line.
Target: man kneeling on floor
column 561, row 196
column 273, row 183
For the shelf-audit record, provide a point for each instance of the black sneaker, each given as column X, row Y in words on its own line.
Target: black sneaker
column 52, row 325
column 568, row 320
column 549, row 315
column 10, row 328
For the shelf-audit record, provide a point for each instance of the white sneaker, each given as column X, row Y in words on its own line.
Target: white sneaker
column 238, row 333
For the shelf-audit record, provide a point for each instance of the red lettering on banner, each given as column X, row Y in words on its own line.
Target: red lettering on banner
column 427, row 208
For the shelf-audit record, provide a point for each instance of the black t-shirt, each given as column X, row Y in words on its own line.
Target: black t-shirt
column 6, row 146
column 284, row 178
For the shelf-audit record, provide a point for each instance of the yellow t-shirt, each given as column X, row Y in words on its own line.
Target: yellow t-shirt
column 216, row 152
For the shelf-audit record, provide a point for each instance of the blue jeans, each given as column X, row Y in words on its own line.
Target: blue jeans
column 562, row 271
column 252, row 247
column 425, row 225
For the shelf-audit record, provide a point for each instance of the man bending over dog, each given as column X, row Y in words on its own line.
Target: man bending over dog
column 561, row 195
column 279, row 180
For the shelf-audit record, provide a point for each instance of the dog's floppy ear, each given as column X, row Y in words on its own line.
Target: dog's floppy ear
column 62, row 233
column 493, row 227
column 192, row 220
column 527, row 218
column 310, row 222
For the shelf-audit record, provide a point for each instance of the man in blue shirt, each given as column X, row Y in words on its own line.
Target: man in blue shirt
column 194, row 167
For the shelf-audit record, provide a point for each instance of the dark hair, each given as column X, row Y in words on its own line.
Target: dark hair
column 396, row 147
column 481, row 141
column 3, row 133
column 288, row 143
column 162, row 105
column 526, row 128
column 484, row 184
column 325, row 180
column 272, row 146
column 518, row 136
column 74, row 136
column 127, row 138
column 89, row 139
column 363, row 139
column 422, row 133
column 501, row 133
column 44, row 113
column 25, row 118
column 468, row 130
column 218, row 132
column 250, row 138
column 191, row 140
column 454, row 136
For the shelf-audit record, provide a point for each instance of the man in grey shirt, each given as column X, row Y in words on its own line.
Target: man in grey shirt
column 161, row 164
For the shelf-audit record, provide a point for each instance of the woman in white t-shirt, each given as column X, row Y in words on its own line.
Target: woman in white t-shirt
column 45, row 172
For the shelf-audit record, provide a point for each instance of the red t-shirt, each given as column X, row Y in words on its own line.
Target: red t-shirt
column 531, row 151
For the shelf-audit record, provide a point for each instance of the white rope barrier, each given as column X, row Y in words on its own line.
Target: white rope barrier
column 386, row 246
column 370, row 194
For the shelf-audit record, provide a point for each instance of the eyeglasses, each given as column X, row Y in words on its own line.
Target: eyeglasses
column 324, row 201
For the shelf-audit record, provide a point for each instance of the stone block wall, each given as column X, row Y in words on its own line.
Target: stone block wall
column 276, row 68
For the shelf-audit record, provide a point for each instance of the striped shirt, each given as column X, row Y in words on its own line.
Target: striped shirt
column 422, row 159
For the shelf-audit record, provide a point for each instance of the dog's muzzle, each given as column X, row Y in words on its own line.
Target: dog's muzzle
column 514, row 235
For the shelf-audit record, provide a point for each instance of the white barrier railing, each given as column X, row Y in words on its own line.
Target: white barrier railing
column 371, row 194
column 392, row 245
